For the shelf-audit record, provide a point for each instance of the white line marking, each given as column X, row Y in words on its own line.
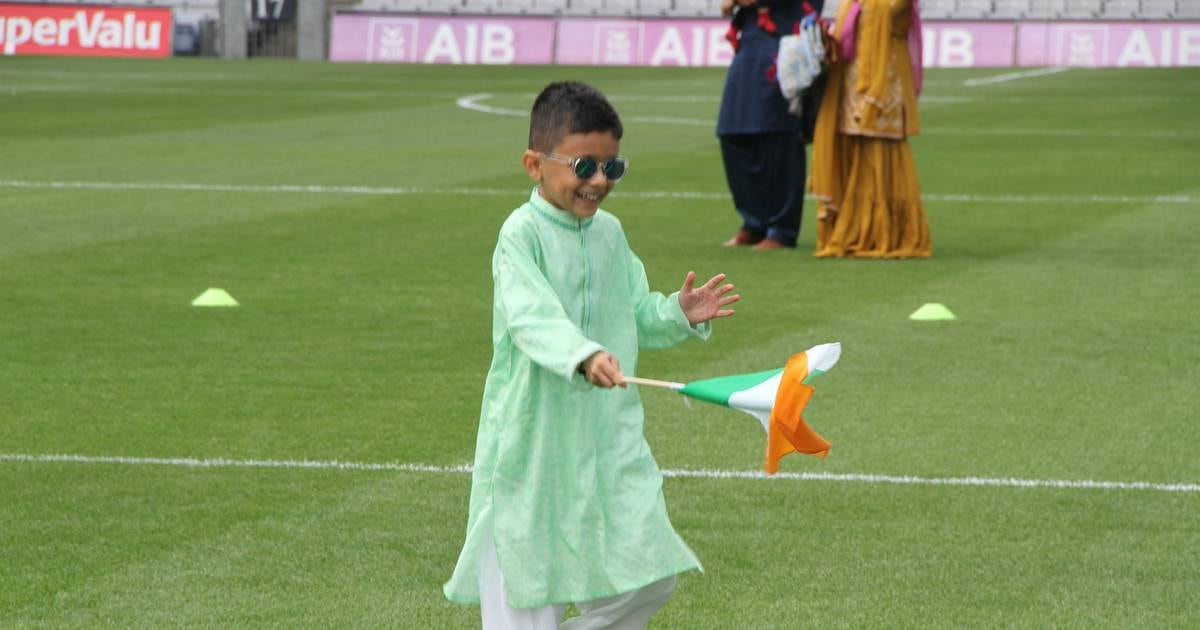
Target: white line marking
column 221, row 462
column 663, row 98
column 1051, row 98
column 1056, row 199
column 1086, row 484
column 934, row 98
column 1058, row 133
column 41, row 73
column 643, row 194
column 926, row 98
column 471, row 102
column 653, row 98
column 13, row 90
column 1012, row 76
column 240, row 188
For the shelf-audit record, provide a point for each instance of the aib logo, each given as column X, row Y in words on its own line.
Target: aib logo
column 392, row 40
column 1082, row 50
column 617, row 45
column 1082, row 45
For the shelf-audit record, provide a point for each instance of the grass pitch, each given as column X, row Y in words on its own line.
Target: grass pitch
column 352, row 211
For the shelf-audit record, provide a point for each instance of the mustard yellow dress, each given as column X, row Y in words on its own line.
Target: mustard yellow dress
column 863, row 174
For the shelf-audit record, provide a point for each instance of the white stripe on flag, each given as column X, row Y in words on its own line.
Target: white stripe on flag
column 824, row 356
column 758, row 400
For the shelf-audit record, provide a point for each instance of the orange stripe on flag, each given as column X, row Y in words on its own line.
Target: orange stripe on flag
column 788, row 432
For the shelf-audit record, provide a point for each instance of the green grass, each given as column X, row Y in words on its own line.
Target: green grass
column 364, row 336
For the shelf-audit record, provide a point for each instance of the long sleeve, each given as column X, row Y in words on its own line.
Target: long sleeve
column 533, row 313
column 874, row 30
column 661, row 322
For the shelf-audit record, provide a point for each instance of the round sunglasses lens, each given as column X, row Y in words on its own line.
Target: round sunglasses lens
column 585, row 168
column 614, row 169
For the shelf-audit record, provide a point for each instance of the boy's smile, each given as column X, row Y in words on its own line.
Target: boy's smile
column 559, row 184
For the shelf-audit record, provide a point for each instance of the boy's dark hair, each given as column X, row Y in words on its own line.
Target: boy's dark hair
column 569, row 107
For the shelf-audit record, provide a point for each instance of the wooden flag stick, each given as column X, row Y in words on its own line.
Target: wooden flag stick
column 653, row 383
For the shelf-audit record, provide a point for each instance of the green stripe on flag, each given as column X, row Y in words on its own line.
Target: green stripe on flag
column 812, row 375
column 718, row 390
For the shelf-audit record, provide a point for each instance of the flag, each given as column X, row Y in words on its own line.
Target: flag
column 777, row 399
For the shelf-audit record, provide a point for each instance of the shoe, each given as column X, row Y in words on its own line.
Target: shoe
column 743, row 237
column 770, row 243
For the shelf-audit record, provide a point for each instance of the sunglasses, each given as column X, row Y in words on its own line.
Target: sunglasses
column 585, row 166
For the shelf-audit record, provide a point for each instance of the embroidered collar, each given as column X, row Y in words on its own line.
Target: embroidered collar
column 555, row 215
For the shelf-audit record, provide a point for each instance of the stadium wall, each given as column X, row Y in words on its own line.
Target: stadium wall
column 458, row 39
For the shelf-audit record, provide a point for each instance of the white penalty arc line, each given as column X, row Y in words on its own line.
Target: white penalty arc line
column 996, row 482
column 643, row 194
column 1013, row 76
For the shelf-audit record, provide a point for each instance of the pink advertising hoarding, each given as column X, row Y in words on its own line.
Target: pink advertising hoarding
column 701, row 42
column 1109, row 44
column 589, row 42
column 967, row 44
column 441, row 39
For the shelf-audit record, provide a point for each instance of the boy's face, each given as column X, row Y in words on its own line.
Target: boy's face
column 560, row 186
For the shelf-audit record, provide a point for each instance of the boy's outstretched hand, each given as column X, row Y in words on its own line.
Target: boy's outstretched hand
column 703, row 303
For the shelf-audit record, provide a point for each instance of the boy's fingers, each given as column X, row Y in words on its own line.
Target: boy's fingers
column 725, row 313
column 606, row 372
column 725, row 289
column 617, row 377
column 600, row 377
column 612, row 380
column 689, row 282
column 726, row 301
column 712, row 282
column 613, row 372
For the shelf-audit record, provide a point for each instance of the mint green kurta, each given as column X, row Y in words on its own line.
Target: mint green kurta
column 563, row 476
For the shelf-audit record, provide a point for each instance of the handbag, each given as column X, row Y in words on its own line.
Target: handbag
column 802, row 59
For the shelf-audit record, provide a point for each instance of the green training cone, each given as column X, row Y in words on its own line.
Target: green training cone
column 932, row 312
column 214, row 297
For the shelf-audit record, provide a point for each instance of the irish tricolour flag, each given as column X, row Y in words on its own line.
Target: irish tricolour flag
column 776, row 397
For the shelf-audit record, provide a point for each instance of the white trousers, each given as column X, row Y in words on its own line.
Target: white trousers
column 625, row 611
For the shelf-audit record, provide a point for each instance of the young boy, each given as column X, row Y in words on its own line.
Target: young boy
column 566, row 499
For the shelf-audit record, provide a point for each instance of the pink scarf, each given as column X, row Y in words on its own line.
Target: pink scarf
column 916, row 41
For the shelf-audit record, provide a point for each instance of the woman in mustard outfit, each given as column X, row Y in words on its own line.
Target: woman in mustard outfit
column 863, row 176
